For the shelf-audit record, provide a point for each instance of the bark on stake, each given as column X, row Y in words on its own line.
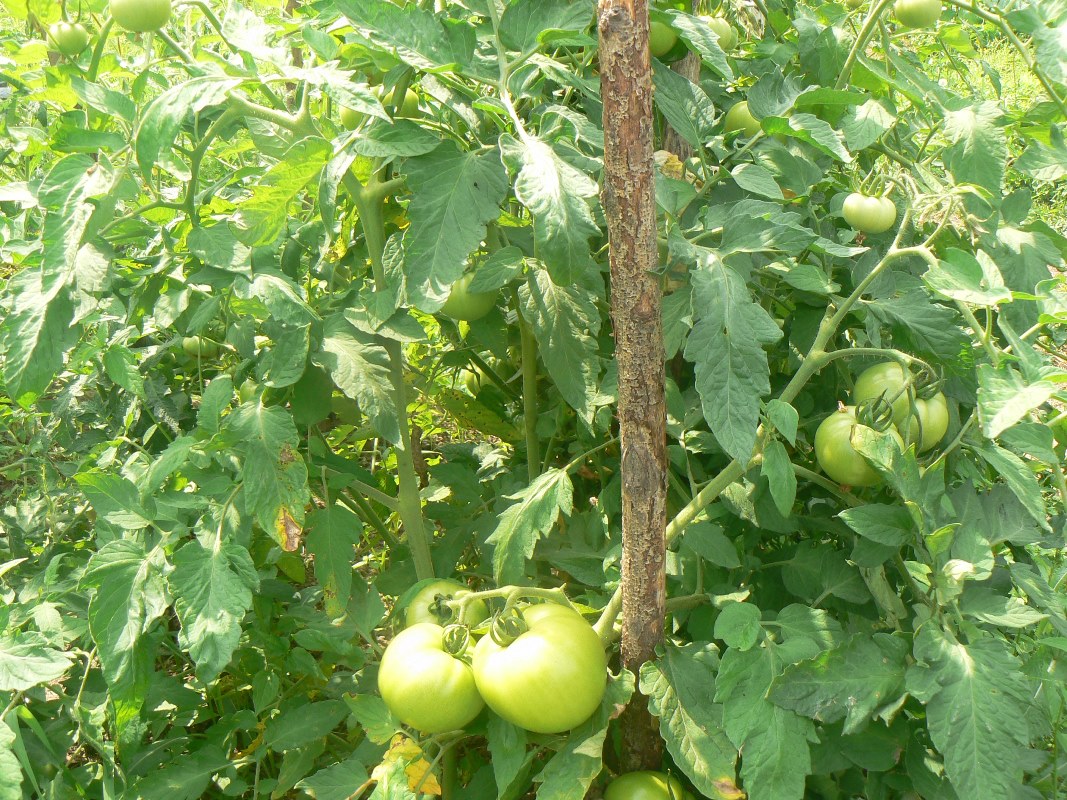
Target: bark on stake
column 630, row 206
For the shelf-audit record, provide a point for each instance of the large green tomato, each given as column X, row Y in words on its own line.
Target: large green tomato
column 661, row 38
column 739, row 118
column 350, row 118
column 724, row 30
column 425, row 686
column 551, row 678
column 869, row 214
column 645, row 785
column 835, row 454
column 928, row 426
column 69, row 38
column 464, row 304
column 886, row 379
column 918, row 13
column 200, row 347
column 141, row 15
column 427, row 605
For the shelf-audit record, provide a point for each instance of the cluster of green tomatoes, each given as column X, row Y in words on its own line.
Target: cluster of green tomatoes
column 137, row 16
column 539, row 666
column 922, row 420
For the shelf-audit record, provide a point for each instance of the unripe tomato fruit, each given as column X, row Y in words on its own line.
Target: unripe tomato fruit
column 464, row 304
column 836, row 455
column 854, row 3
column 551, row 678
column 351, row 118
column 739, row 118
column 645, row 785
column 869, row 214
column 918, row 13
column 425, row 686
column 928, row 426
column 725, row 31
column 69, row 38
column 423, row 605
column 140, row 16
column 886, row 379
column 200, row 347
column 661, row 38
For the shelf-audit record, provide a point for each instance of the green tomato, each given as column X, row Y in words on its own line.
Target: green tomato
column 835, row 454
column 661, row 38
column 724, row 30
column 69, row 38
column 929, row 424
column 464, row 304
column 141, row 15
column 854, row 3
column 200, row 347
column 427, row 605
column 918, row 13
column 351, row 118
column 645, row 785
column 551, row 678
column 869, row 214
column 739, row 118
column 425, row 686
column 886, row 379
column 248, row 391
column 345, row 409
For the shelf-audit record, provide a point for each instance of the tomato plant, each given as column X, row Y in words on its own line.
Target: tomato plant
column 140, row 15
column 69, row 38
column 424, row 685
column 869, row 214
column 245, row 420
column 550, row 678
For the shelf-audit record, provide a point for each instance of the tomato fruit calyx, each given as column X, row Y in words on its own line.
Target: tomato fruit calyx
column 456, row 639
column 507, row 626
column 876, row 413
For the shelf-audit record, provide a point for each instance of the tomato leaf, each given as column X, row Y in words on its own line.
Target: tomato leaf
column 571, row 771
column 565, row 322
column 332, row 534
column 684, row 105
column 337, row 782
column 558, row 196
column 525, row 22
column 273, row 474
column 421, row 38
column 526, row 521
column 456, row 194
column 677, row 685
column 726, row 347
column 26, row 660
column 212, row 591
column 849, row 682
column 974, row 715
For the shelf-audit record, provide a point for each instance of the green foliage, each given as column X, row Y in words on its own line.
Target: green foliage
column 235, row 433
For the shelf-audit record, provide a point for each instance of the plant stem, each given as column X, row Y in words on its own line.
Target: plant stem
column 529, row 391
column 368, row 202
column 869, row 26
